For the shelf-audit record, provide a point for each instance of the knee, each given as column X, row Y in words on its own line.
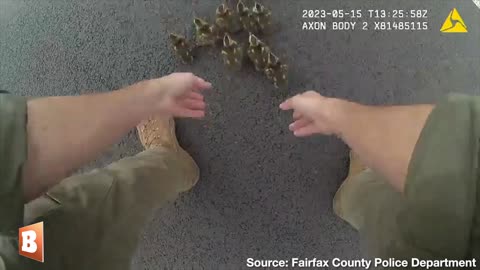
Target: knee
column 189, row 169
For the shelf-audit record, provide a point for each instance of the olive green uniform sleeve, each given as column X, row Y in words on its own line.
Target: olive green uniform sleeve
column 13, row 153
column 440, row 217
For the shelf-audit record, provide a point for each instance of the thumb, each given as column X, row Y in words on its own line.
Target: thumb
column 201, row 84
column 287, row 105
column 290, row 103
column 298, row 103
column 305, row 131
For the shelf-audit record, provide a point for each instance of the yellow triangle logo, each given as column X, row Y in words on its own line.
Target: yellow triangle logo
column 454, row 23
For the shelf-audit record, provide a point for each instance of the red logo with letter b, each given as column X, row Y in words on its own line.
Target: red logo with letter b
column 30, row 240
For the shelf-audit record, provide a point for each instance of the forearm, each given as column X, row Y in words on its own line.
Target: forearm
column 64, row 133
column 383, row 137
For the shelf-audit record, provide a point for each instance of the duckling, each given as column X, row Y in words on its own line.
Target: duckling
column 276, row 71
column 226, row 21
column 205, row 33
column 247, row 19
column 182, row 48
column 257, row 52
column 232, row 53
column 262, row 16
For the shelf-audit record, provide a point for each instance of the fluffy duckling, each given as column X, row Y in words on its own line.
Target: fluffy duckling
column 276, row 71
column 232, row 52
column 247, row 18
column 226, row 21
column 257, row 52
column 182, row 48
column 262, row 16
column 204, row 32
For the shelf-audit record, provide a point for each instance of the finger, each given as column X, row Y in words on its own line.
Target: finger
column 191, row 95
column 297, row 115
column 187, row 113
column 201, row 84
column 193, row 104
column 299, row 124
column 305, row 131
column 194, row 95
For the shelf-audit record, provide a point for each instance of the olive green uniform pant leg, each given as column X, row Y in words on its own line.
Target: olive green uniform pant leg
column 368, row 203
column 13, row 153
column 93, row 220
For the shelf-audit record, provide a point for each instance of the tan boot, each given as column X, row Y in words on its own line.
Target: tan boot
column 356, row 165
column 342, row 205
column 159, row 132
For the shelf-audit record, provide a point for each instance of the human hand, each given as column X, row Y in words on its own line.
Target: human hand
column 178, row 94
column 313, row 113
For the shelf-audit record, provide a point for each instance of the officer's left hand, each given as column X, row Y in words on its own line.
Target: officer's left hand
column 178, row 94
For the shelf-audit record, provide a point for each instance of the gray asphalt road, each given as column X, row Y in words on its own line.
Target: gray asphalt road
column 263, row 193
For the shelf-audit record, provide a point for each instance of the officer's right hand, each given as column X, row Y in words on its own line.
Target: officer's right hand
column 314, row 114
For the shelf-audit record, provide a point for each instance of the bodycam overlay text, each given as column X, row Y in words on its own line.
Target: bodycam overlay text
column 359, row 263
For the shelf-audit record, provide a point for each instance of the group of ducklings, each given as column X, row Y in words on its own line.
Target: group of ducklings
column 227, row 22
